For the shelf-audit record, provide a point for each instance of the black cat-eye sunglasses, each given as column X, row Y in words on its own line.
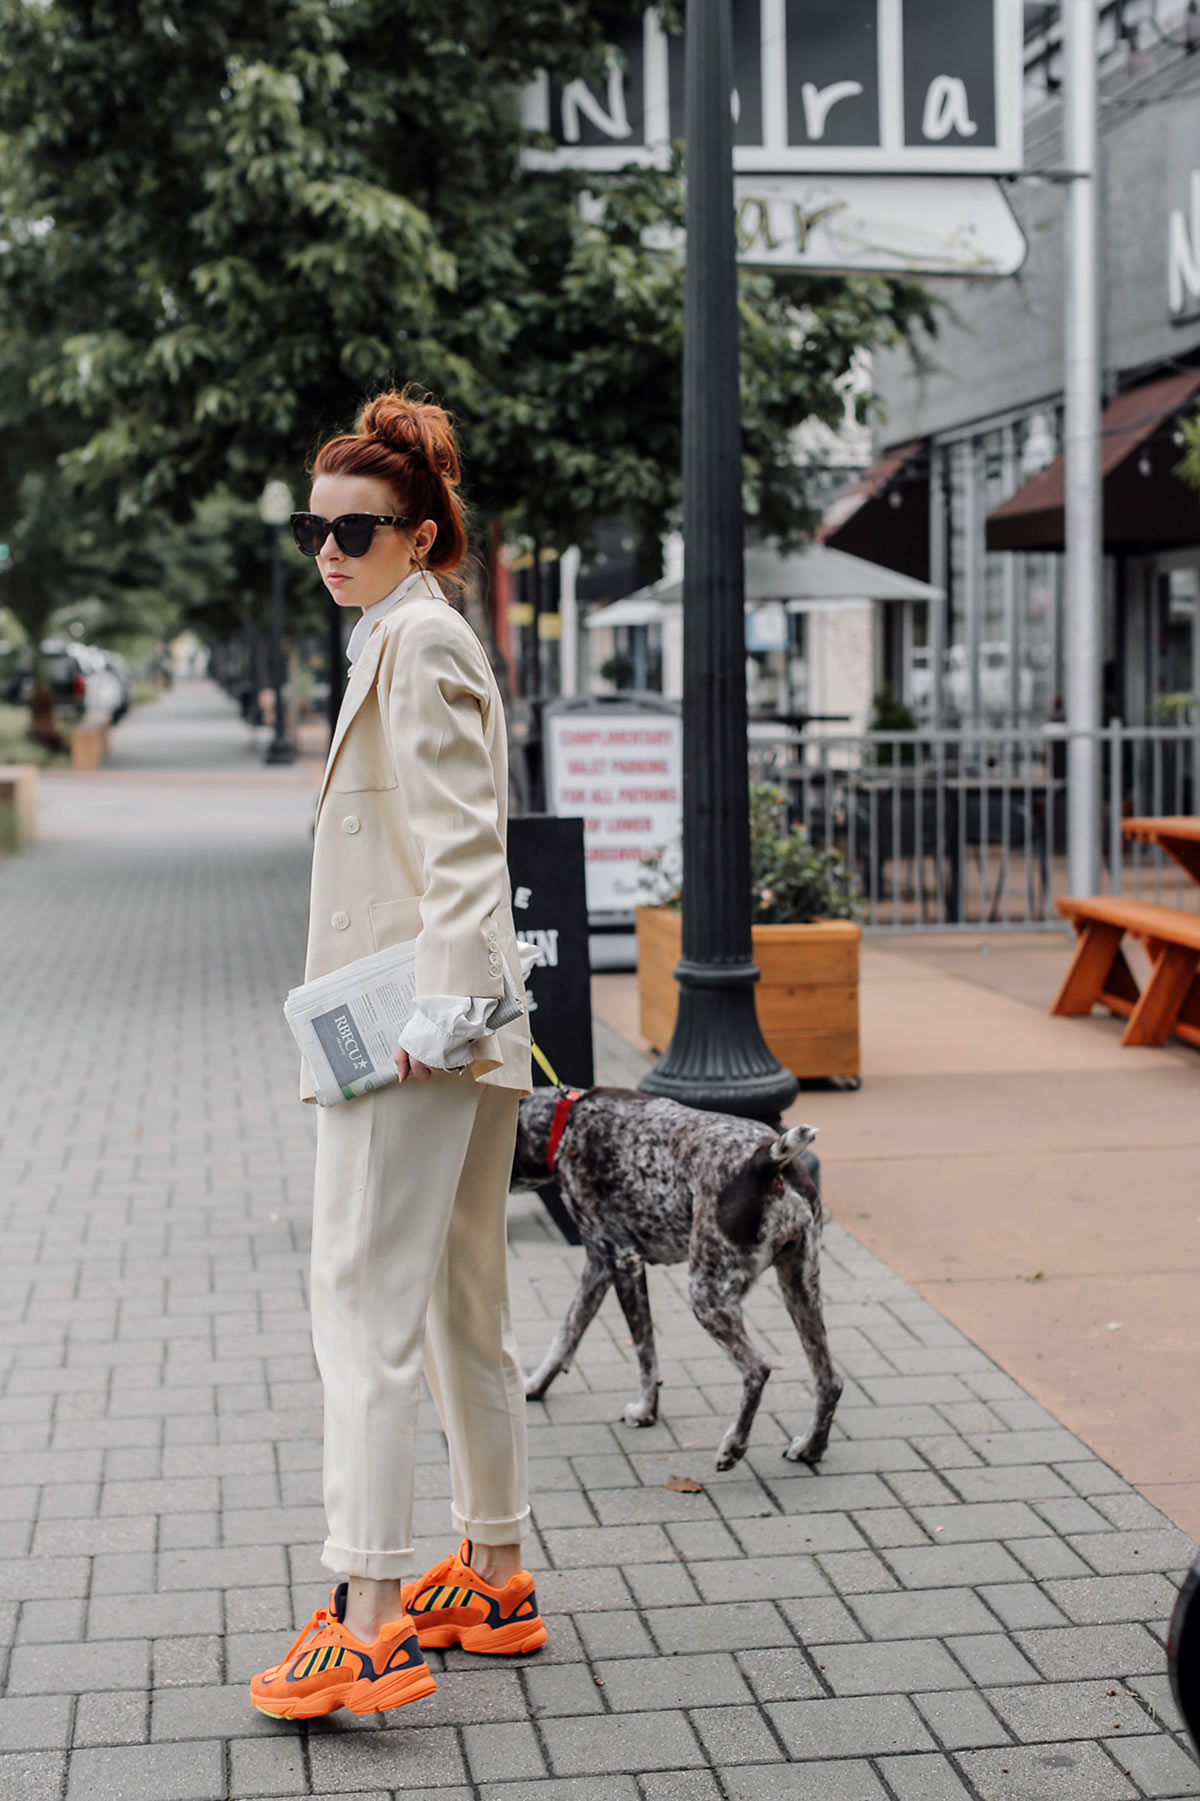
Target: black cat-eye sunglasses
column 352, row 532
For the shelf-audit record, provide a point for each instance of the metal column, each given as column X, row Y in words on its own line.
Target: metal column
column 717, row 1057
column 1081, row 445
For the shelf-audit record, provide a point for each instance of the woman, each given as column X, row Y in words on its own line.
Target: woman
column 409, row 1249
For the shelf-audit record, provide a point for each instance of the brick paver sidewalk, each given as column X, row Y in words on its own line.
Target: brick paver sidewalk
column 963, row 1602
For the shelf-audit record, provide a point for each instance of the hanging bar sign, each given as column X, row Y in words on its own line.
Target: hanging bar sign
column 848, row 86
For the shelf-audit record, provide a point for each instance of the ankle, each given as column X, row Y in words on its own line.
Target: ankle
column 495, row 1564
column 370, row 1606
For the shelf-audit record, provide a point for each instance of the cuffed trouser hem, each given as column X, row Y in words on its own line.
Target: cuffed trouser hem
column 377, row 1566
column 492, row 1532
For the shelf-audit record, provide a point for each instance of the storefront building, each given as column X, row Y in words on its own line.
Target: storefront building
column 967, row 488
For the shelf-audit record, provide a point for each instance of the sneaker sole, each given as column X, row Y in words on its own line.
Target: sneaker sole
column 486, row 1641
column 359, row 1697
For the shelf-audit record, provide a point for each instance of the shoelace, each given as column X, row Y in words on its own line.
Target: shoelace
column 440, row 1571
column 319, row 1619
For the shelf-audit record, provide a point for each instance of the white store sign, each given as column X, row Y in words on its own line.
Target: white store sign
column 901, row 224
column 622, row 774
column 885, row 224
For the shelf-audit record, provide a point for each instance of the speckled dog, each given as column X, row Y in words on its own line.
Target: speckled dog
column 650, row 1181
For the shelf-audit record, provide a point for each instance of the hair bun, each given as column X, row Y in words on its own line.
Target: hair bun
column 418, row 428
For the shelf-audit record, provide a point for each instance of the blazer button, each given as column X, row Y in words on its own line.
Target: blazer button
column 340, row 921
column 351, row 824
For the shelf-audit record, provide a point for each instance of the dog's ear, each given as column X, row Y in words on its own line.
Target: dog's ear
column 529, row 1149
column 742, row 1201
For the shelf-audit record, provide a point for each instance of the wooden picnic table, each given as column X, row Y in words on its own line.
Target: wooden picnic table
column 1178, row 836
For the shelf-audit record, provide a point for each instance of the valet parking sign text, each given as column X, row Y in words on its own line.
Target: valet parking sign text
column 623, row 775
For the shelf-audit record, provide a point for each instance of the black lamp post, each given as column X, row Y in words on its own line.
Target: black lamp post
column 275, row 509
column 717, row 1057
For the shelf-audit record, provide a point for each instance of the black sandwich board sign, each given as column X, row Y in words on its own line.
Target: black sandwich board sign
column 545, row 867
column 901, row 87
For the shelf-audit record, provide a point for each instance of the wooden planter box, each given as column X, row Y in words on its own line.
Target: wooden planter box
column 89, row 744
column 807, row 996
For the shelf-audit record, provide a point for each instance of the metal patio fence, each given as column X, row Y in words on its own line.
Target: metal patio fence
column 966, row 830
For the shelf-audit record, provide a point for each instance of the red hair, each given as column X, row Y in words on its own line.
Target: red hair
column 409, row 444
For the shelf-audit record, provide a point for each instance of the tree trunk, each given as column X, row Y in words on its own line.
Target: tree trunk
column 43, row 727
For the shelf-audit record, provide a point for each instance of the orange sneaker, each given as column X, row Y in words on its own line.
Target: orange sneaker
column 326, row 1669
column 452, row 1605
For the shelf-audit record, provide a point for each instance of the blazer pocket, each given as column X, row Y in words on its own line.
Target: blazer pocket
column 395, row 921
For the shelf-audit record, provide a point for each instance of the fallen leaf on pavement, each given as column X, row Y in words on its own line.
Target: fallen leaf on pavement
column 684, row 1485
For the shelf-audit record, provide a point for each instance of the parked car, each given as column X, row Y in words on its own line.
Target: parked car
column 14, row 663
column 82, row 679
column 120, row 671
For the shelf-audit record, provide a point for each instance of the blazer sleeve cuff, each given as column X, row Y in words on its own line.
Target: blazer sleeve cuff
column 471, row 962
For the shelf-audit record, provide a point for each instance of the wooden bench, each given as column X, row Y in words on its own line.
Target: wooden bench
column 1099, row 973
column 18, row 806
column 1179, row 837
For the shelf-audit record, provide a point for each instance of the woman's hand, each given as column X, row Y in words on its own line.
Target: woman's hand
column 408, row 1066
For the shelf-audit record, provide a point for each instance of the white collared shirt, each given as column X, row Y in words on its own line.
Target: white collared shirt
column 372, row 615
column 441, row 1027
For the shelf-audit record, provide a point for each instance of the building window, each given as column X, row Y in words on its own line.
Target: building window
column 1003, row 650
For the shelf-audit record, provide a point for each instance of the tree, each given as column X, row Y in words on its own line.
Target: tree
column 227, row 224
column 1188, row 468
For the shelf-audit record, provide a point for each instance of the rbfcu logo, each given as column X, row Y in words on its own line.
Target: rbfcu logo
column 342, row 1043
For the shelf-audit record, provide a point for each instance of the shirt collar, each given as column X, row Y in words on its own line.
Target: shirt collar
column 372, row 615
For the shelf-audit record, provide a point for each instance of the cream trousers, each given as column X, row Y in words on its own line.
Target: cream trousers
column 409, row 1267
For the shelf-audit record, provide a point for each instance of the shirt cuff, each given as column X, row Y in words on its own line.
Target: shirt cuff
column 442, row 1027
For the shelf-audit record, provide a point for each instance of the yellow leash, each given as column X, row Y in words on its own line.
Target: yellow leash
column 543, row 1062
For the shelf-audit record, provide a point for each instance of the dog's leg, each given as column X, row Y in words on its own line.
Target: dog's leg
column 592, row 1289
column 629, row 1279
column 722, row 1317
column 800, row 1285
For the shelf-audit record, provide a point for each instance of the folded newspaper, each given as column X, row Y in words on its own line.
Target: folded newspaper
column 347, row 1023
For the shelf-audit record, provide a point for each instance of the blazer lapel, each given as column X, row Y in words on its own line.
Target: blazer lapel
column 358, row 686
column 362, row 676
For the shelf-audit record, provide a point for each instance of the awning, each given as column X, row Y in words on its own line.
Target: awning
column 1145, row 503
column 884, row 517
column 812, row 574
column 636, row 609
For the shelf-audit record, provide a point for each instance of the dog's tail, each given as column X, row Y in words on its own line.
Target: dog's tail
column 789, row 1145
column 741, row 1202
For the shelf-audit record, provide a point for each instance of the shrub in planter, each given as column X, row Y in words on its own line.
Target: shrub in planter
column 804, row 912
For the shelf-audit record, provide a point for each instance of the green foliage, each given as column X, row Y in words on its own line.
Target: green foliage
column 225, row 224
column 890, row 714
column 16, row 745
column 618, row 670
column 1175, row 709
column 790, row 882
column 1188, row 467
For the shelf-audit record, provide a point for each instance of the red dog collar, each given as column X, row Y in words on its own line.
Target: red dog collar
column 557, row 1124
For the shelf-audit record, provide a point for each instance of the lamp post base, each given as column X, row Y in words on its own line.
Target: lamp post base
column 717, row 1058
column 280, row 751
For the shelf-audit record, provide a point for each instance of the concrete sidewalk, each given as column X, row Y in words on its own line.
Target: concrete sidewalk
column 964, row 1601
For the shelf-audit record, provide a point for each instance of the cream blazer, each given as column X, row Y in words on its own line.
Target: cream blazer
column 412, row 817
